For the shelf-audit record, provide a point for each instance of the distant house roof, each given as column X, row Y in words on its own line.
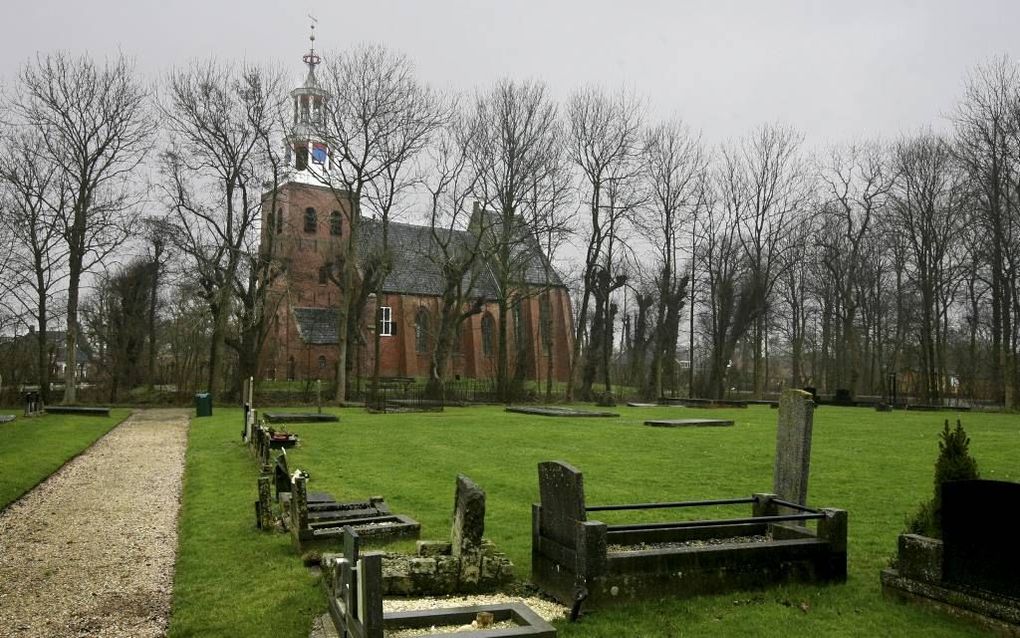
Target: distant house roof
column 57, row 340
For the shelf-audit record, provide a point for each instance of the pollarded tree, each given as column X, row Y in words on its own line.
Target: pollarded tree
column 674, row 166
column 94, row 122
column 604, row 144
column 768, row 190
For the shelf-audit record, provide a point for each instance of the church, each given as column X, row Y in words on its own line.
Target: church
column 308, row 228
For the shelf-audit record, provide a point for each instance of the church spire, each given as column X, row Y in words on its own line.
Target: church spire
column 307, row 153
column 311, row 58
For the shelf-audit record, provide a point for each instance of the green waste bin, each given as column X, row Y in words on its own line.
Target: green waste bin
column 203, row 404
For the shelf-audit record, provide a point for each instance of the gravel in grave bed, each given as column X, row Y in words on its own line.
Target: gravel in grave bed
column 443, row 629
column 733, row 540
column 547, row 609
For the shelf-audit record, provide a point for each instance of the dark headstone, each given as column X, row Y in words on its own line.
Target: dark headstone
column 842, row 397
column 561, row 489
column 468, row 517
column 793, row 446
column 980, row 549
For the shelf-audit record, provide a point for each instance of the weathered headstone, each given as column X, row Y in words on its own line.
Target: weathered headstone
column 980, row 556
column 793, row 446
column 561, row 488
column 468, row 517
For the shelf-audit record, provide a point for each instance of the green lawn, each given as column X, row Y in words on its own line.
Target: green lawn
column 32, row 449
column 232, row 580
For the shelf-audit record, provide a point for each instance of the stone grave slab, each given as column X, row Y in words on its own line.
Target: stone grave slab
column 558, row 411
column 682, row 423
column 7, row 418
column 77, row 409
column 299, row 417
column 635, row 404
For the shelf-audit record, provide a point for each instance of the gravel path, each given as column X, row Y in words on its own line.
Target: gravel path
column 90, row 552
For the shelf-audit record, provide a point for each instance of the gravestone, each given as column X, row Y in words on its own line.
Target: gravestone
column 561, row 489
column 468, row 517
column 793, row 446
column 982, row 556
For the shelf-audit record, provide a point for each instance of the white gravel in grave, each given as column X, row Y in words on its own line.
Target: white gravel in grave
column 547, row 609
column 90, row 551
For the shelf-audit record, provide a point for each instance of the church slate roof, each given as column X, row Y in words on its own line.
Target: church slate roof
column 416, row 267
column 317, row 326
column 416, row 270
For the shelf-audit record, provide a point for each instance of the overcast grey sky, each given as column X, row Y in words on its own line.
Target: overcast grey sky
column 835, row 70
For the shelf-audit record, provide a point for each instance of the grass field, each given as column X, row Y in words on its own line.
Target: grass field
column 32, row 449
column 232, row 580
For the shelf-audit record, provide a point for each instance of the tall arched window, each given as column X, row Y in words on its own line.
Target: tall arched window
column 545, row 323
column 334, row 224
column 279, row 221
column 421, row 331
column 291, row 369
column 488, row 330
column 311, row 220
column 322, row 367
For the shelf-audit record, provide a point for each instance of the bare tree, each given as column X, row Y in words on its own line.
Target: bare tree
column 94, row 123
column 928, row 199
column 675, row 170
column 455, row 251
column 857, row 181
column 767, row 191
column 35, row 270
column 604, row 144
column 224, row 124
column 988, row 145
column 377, row 118
column 518, row 164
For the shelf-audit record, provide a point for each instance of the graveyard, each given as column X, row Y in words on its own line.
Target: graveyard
column 233, row 579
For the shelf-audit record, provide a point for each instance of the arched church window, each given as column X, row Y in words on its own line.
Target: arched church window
column 421, row 331
column 279, row 221
column 334, row 223
column 311, row 220
column 301, row 156
column 291, row 369
column 488, row 328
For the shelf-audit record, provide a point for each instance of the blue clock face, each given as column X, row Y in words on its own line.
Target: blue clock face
column 319, row 153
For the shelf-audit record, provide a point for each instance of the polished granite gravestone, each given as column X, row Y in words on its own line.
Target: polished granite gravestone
column 680, row 423
column 972, row 572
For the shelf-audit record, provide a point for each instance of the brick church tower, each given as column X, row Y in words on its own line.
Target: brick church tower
column 304, row 224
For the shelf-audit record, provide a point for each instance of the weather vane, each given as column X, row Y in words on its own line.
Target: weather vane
column 311, row 58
